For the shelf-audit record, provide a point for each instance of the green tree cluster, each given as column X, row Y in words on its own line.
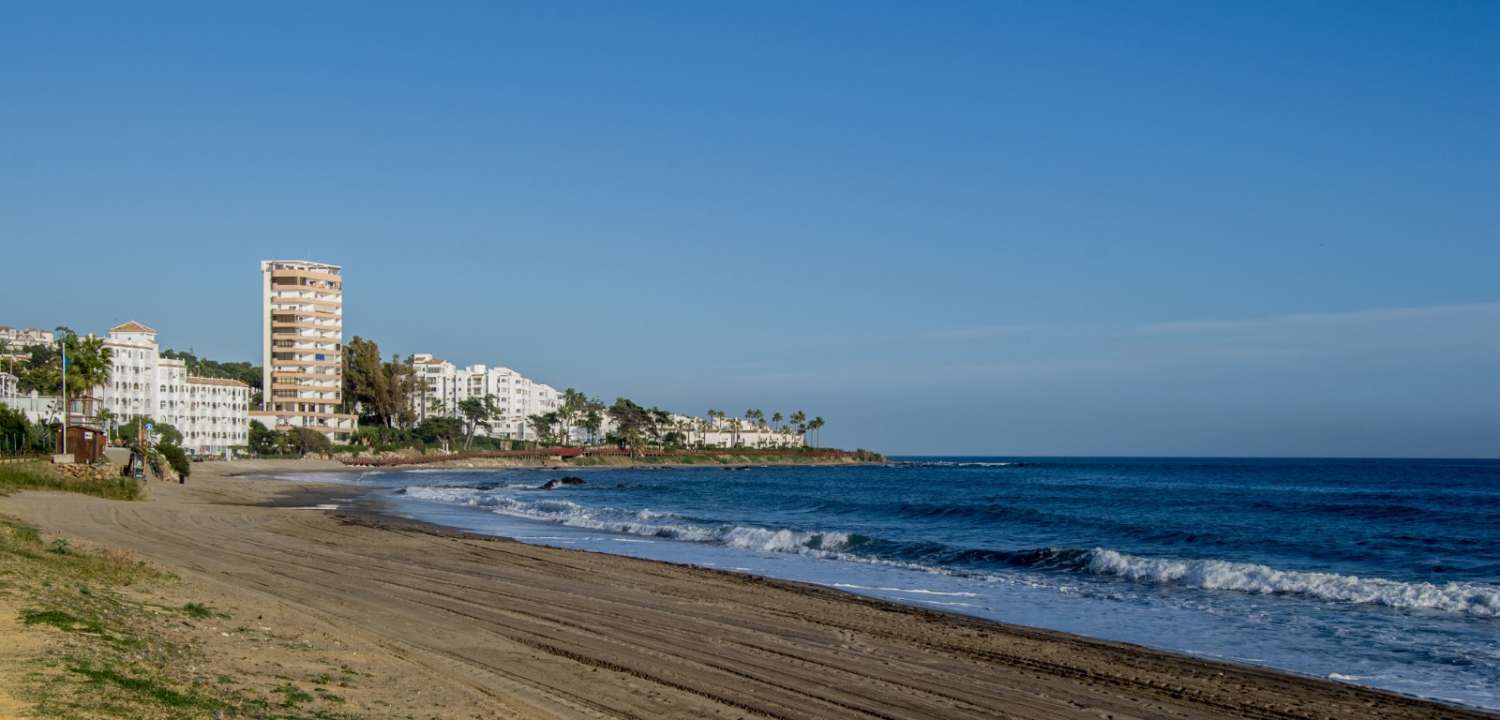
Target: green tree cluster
column 638, row 427
column 293, row 441
column 18, row 436
column 477, row 413
column 381, row 392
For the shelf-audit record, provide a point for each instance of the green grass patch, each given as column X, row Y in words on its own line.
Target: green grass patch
column 39, row 476
column 202, row 612
column 16, row 532
column 150, row 689
column 60, row 620
column 292, row 696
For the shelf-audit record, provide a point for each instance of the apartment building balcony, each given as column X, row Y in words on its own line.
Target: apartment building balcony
column 326, row 301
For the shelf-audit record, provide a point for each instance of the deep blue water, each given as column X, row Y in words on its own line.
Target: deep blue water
column 1384, row 572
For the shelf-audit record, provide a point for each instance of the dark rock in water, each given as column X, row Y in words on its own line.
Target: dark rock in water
column 559, row 482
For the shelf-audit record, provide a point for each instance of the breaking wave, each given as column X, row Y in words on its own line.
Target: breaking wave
column 1462, row 598
column 646, row 523
column 1470, row 599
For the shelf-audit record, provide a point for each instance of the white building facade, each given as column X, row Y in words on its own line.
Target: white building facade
column 442, row 386
column 211, row 413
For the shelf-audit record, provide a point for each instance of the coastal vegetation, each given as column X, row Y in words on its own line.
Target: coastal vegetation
column 102, row 634
column 379, row 391
column 16, row 476
column 293, row 442
column 18, row 436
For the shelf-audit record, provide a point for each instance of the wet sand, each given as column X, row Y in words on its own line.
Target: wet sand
column 486, row 627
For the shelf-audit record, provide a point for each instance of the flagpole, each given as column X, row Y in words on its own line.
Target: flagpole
column 62, row 347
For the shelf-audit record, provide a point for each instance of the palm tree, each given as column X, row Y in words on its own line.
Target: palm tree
column 799, row 421
column 816, row 425
column 88, row 366
column 776, row 419
column 574, row 405
column 714, row 417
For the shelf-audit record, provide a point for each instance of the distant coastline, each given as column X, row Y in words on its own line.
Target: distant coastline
column 579, row 458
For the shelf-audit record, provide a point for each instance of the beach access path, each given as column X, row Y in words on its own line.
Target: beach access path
column 446, row 625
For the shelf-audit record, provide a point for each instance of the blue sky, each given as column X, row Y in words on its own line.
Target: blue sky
column 1041, row 228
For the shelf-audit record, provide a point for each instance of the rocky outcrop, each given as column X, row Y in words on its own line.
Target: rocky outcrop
column 560, row 482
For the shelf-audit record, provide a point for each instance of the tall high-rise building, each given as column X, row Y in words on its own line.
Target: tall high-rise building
column 302, row 344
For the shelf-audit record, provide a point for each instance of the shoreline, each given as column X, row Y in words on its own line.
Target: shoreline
column 378, row 516
column 701, row 640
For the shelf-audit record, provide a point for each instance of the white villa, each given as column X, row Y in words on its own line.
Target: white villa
column 211, row 413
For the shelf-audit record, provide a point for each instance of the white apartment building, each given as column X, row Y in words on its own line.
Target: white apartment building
column 302, row 317
column 211, row 413
column 25, row 337
column 442, row 386
column 9, row 384
column 716, row 433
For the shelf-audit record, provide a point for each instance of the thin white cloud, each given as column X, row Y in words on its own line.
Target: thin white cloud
column 1372, row 315
column 1274, row 322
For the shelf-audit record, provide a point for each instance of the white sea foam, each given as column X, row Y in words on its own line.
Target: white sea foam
column 924, row 591
column 1461, row 598
column 1475, row 600
column 754, row 538
column 646, row 523
column 948, row 604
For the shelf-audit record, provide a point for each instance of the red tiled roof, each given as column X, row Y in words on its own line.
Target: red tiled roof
column 132, row 327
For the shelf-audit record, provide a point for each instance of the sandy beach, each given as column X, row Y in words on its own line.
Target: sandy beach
column 445, row 625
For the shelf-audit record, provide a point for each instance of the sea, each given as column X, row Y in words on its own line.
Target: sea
column 1377, row 572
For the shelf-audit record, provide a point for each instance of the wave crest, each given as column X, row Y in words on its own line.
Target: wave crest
column 1475, row 600
column 1453, row 597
